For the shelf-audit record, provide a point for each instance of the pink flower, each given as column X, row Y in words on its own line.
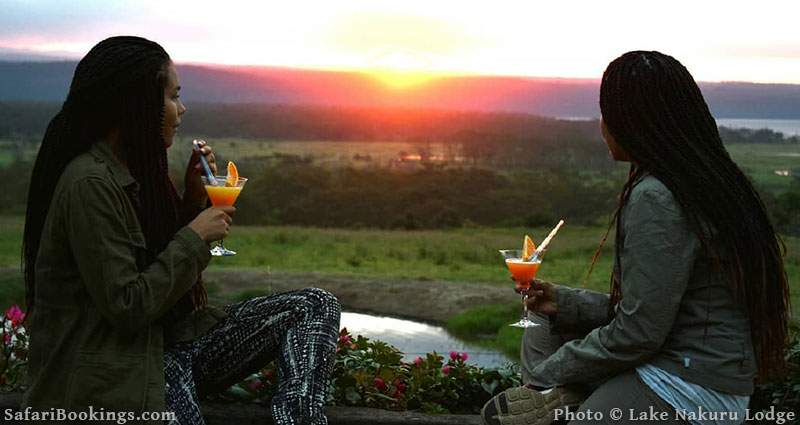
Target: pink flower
column 255, row 385
column 418, row 361
column 464, row 356
column 379, row 384
column 446, row 369
column 15, row 315
column 453, row 356
column 345, row 339
column 400, row 385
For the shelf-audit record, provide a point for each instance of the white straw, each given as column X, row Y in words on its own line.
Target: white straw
column 209, row 174
column 546, row 241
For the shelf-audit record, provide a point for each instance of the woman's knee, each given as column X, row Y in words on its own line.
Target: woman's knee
column 318, row 305
column 624, row 393
column 322, row 299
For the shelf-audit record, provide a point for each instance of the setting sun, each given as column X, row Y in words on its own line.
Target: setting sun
column 400, row 69
column 401, row 79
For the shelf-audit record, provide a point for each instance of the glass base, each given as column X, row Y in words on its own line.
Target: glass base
column 525, row 323
column 221, row 251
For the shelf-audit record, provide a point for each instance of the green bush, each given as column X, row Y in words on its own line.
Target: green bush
column 783, row 395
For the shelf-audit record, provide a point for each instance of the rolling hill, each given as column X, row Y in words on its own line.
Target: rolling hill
column 49, row 81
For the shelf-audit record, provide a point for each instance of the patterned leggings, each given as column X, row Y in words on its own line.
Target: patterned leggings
column 298, row 328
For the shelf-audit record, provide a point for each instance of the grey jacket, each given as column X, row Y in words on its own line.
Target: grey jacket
column 676, row 312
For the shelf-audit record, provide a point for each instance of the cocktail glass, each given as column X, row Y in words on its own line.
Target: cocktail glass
column 523, row 273
column 222, row 193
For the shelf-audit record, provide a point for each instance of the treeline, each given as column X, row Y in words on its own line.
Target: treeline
column 514, row 170
column 298, row 193
column 784, row 208
column 309, row 195
column 302, row 193
column 761, row 136
column 26, row 121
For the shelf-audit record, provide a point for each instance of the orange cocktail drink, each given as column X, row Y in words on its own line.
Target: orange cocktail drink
column 223, row 195
column 523, row 271
column 523, row 265
column 223, row 191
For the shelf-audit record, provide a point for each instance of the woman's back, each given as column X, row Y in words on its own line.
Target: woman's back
column 709, row 339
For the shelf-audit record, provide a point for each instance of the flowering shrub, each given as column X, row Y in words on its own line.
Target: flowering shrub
column 372, row 374
column 14, row 351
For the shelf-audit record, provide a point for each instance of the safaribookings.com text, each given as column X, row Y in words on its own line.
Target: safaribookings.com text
column 90, row 415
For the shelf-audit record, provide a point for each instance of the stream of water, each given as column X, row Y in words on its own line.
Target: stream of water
column 416, row 339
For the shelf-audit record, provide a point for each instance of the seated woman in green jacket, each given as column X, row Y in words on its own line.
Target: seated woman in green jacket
column 699, row 298
column 113, row 259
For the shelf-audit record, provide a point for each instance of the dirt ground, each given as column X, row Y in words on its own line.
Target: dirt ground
column 424, row 300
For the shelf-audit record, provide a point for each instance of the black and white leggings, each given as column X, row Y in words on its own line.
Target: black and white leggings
column 298, row 328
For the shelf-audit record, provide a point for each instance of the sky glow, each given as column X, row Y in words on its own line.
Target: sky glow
column 407, row 42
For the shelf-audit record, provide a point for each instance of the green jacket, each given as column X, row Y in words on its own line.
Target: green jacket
column 98, row 323
column 676, row 313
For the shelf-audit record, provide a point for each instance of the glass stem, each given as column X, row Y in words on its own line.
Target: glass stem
column 525, row 306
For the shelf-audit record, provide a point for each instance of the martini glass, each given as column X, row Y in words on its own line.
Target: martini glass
column 221, row 194
column 523, row 273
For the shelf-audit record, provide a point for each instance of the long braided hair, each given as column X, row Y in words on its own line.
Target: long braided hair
column 653, row 108
column 117, row 87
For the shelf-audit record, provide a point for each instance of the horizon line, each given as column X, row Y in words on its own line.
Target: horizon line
column 40, row 57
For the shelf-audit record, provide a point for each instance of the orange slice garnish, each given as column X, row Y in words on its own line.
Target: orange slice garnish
column 233, row 175
column 528, row 248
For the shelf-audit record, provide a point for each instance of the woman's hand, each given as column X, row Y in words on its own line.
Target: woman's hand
column 195, row 192
column 213, row 223
column 541, row 297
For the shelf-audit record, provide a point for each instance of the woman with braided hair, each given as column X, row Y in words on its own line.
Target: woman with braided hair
column 113, row 257
column 699, row 302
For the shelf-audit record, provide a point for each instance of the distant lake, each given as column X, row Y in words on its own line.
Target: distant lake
column 787, row 127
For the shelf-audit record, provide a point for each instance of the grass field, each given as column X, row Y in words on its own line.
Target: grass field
column 468, row 255
column 761, row 161
column 328, row 154
column 465, row 255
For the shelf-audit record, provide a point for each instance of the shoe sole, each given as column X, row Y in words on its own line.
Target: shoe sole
column 530, row 407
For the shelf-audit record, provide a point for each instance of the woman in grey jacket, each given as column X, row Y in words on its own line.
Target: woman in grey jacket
column 699, row 299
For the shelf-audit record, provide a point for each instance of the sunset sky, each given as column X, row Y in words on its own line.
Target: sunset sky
column 717, row 40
